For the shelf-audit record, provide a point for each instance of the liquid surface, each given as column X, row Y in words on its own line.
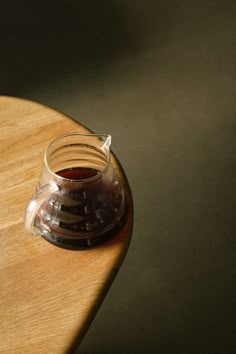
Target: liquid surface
column 78, row 173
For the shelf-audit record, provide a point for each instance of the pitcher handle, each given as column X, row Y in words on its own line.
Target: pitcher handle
column 35, row 203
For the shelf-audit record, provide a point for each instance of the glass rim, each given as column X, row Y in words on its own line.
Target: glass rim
column 84, row 180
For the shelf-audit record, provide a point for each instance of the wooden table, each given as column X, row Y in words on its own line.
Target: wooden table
column 48, row 295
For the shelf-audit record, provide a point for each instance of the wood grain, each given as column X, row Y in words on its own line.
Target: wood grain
column 48, row 295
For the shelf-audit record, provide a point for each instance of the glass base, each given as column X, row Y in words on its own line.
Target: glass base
column 86, row 243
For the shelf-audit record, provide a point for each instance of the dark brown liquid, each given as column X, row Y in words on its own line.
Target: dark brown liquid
column 80, row 173
column 84, row 213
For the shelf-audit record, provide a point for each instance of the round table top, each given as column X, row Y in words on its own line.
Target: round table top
column 49, row 295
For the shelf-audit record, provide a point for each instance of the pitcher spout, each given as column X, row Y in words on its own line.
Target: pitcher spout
column 106, row 144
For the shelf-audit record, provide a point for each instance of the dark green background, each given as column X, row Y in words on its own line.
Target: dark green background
column 160, row 76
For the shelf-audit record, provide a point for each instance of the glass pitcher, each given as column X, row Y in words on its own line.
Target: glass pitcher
column 79, row 199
